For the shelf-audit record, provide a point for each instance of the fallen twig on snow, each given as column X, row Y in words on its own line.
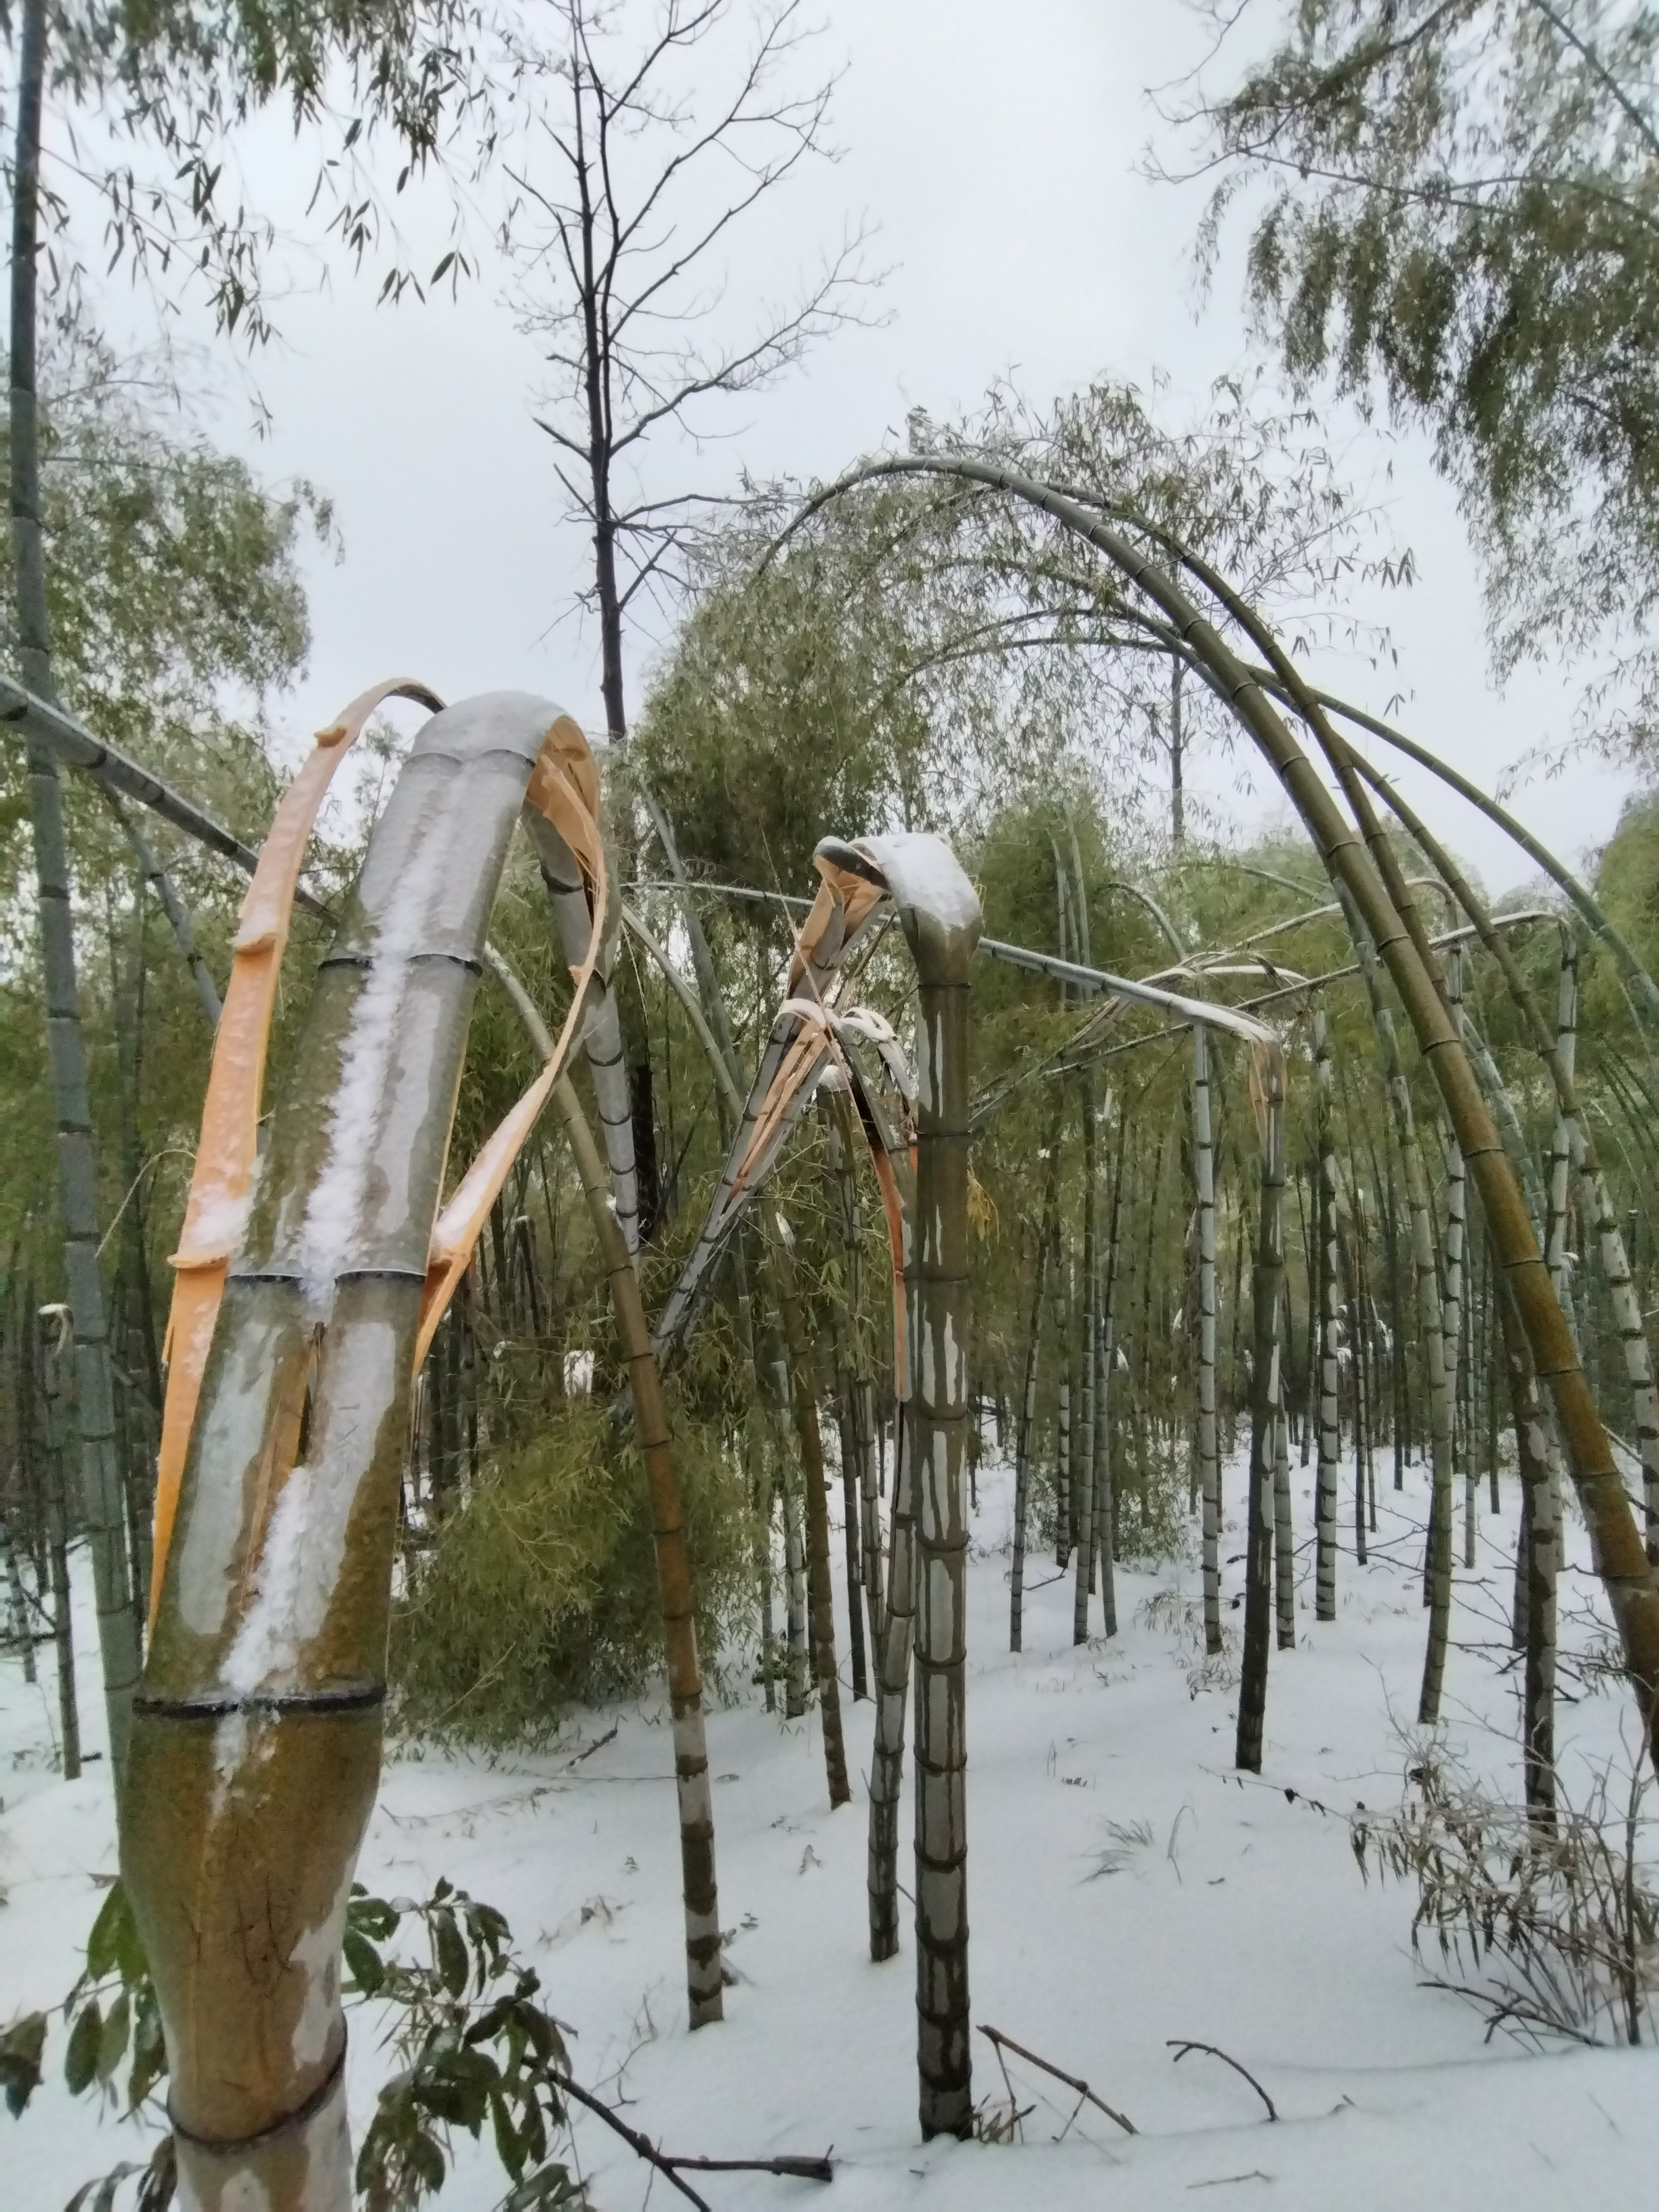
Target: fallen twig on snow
column 1002, row 2041
column 1181, row 2046
column 791, row 2167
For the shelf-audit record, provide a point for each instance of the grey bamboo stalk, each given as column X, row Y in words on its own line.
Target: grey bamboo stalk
column 1106, row 1461
column 1063, row 1487
column 1284, row 1527
column 1429, row 1322
column 1087, row 1504
column 1025, row 1436
column 172, row 905
column 820, row 1584
column 56, row 1488
column 1595, row 1199
column 1538, row 1566
column 892, row 1689
column 798, row 1659
column 22, row 1629
column 95, row 1399
column 1567, row 1038
column 704, row 1995
column 1328, row 1474
column 1452, row 1315
column 1267, row 1278
column 941, row 916
column 857, row 1428
column 1209, row 1458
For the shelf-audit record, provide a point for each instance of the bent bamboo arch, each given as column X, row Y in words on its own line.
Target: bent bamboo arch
column 1360, row 863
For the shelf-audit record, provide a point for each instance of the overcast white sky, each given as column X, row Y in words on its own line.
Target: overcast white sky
column 998, row 150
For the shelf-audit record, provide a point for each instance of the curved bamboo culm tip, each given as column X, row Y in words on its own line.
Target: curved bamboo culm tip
column 221, row 1183
column 256, row 1733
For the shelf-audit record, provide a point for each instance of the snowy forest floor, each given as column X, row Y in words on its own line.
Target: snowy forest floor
column 1125, row 1888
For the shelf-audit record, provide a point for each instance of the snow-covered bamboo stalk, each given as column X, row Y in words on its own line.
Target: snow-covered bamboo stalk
column 940, row 914
column 256, row 1742
column 1209, row 1457
column 1328, row 1473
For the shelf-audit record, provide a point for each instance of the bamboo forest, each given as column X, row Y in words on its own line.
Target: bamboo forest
column 829, row 1105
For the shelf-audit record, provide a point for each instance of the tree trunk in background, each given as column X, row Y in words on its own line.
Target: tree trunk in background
column 94, row 1404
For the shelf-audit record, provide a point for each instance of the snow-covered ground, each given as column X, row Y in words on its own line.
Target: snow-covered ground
column 1125, row 1888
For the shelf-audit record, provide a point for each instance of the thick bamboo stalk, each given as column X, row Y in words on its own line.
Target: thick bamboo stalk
column 257, row 1735
column 941, row 916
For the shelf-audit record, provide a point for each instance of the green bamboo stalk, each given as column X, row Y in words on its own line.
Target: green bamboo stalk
column 704, row 1992
column 100, row 1486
